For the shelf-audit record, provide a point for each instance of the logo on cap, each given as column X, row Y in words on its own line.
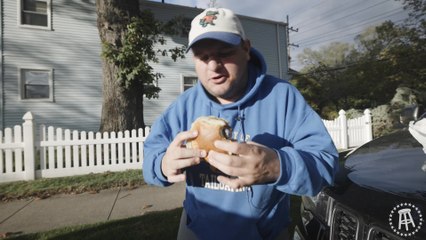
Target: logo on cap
column 208, row 19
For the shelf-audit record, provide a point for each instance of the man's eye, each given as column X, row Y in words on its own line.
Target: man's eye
column 225, row 54
column 203, row 58
column 218, row 55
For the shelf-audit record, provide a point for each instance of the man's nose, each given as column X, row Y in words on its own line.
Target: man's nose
column 213, row 63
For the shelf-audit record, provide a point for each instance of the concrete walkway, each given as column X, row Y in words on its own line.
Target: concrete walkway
column 37, row 215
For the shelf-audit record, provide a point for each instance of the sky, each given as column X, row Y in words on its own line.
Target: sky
column 316, row 23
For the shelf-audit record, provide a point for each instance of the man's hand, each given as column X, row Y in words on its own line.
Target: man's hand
column 178, row 157
column 250, row 163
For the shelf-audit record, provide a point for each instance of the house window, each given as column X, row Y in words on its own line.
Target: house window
column 36, row 84
column 34, row 13
column 188, row 82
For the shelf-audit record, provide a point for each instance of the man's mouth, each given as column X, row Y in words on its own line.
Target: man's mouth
column 218, row 79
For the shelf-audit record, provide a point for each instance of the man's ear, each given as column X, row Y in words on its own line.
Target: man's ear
column 246, row 47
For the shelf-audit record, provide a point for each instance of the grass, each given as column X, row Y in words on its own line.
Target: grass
column 42, row 188
column 153, row 225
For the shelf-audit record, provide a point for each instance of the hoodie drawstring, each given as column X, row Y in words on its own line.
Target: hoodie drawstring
column 241, row 134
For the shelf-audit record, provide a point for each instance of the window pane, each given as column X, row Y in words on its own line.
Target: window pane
column 34, row 13
column 34, row 19
column 36, row 91
column 189, row 82
column 35, row 6
column 41, row 6
column 36, row 84
column 36, row 77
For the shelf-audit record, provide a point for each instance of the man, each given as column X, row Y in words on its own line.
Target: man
column 281, row 147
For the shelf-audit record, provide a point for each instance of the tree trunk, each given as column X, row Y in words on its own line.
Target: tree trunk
column 121, row 109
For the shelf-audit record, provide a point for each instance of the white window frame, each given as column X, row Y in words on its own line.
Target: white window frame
column 182, row 81
column 21, row 82
column 49, row 16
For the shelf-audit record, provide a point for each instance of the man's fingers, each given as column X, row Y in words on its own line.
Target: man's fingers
column 224, row 159
column 177, row 178
column 182, row 137
column 191, row 152
column 178, row 157
column 184, row 163
column 230, row 165
column 233, row 183
column 232, row 147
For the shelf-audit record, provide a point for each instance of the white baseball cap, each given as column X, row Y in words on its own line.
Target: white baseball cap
column 216, row 23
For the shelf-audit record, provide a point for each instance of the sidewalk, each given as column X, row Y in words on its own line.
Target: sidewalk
column 38, row 215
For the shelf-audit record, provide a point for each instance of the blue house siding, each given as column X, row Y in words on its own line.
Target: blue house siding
column 72, row 50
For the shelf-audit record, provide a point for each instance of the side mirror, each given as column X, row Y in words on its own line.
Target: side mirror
column 411, row 113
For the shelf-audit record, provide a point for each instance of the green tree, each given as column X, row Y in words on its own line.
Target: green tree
column 322, row 80
column 384, row 58
column 129, row 38
column 393, row 58
column 333, row 55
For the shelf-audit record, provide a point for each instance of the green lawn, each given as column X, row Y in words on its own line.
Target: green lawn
column 42, row 188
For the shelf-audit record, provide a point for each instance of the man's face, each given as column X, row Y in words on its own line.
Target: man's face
column 222, row 68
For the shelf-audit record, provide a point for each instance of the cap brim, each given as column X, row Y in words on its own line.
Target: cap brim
column 226, row 37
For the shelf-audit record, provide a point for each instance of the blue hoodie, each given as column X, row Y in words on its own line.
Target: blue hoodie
column 273, row 113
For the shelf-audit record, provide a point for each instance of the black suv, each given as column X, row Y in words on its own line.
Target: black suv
column 379, row 192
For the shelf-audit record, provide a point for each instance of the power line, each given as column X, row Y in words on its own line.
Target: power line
column 315, row 19
column 373, row 18
column 308, row 7
column 345, row 29
column 308, row 44
column 341, row 13
column 292, row 60
column 340, row 9
column 343, row 17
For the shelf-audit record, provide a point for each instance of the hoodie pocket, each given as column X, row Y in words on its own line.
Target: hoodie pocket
column 263, row 198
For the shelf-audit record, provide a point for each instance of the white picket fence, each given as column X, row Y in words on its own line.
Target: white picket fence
column 17, row 152
column 61, row 153
column 349, row 133
column 66, row 153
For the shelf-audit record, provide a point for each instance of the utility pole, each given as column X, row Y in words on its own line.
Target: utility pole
column 289, row 44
